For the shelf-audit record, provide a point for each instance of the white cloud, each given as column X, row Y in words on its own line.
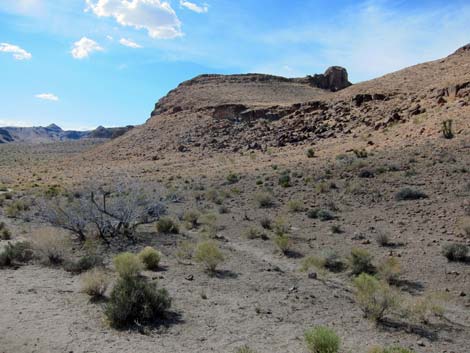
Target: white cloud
column 18, row 53
column 84, row 47
column 194, row 7
column 155, row 16
column 129, row 43
column 47, row 96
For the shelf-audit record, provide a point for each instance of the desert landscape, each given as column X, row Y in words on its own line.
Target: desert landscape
column 192, row 185
column 264, row 206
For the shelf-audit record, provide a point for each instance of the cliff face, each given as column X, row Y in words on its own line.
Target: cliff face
column 252, row 111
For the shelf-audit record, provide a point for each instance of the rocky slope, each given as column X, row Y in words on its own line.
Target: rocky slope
column 237, row 112
column 55, row 133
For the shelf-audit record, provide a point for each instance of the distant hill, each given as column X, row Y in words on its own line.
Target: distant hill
column 53, row 132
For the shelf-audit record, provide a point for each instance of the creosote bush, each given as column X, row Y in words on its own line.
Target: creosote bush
column 134, row 300
column 209, row 254
column 150, row 257
column 389, row 270
column 233, row 178
column 285, row 180
column 295, row 206
column 310, row 153
column 95, row 282
column 455, row 252
column 375, row 298
column 127, row 264
column 321, row 214
column 5, row 234
column 360, row 261
column 191, row 218
column 423, row 308
column 322, row 339
column 408, row 194
column 84, row 264
column 167, row 225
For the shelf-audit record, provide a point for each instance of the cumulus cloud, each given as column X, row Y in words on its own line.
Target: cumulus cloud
column 84, row 47
column 194, row 7
column 129, row 43
column 155, row 16
column 18, row 53
column 47, row 97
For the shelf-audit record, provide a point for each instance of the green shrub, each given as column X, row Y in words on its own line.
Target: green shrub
column 295, row 206
column 233, row 178
column 253, row 233
column 245, row 349
column 455, row 252
column 191, row 218
column 282, row 241
column 14, row 209
column 408, row 194
column 264, row 200
column 360, row 261
column 85, row 263
column 134, row 300
column 209, row 254
column 285, row 180
column 322, row 340
column 382, row 239
column 310, row 153
column 321, row 214
column 5, row 234
column 389, row 270
column 447, row 129
column 95, row 282
column 167, row 225
column 150, row 257
column 19, row 252
column 330, row 260
column 127, row 264
column 185, row 251
column 376, row 299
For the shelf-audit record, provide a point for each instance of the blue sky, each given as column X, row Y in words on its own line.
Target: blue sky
column 84, row 63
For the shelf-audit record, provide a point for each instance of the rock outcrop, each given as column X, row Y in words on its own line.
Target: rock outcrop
column 334, row 79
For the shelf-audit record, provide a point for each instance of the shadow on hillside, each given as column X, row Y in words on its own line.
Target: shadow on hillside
column 426, row 332
column 225, row 274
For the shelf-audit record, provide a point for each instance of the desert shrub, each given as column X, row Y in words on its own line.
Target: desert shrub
column 134, row 300
column 321, row 214
column 209, row 224
column 382, row 239
column 360, row 261
column 282, row 242
column 214, row 196
column 323, row 187
column 191, row 218
column 465, row 227
column 19, row 252
column 51, row 245
column 14, row 209
column 389, row 270
column 266, row 223
column 295, row 206
column 422, row 308
column 95, row 282
column 329, row 260
column 85, row 263
column 322, row 339
column 110, row 213
column 233, row 178
column 408, row 194
column 366, row 173
column 167, row 225
column 150, row 257
column 447, row 129
column 317, row 262
column 127, row 264
column 360, row 153
column 455, row 252
column 285, row 180
column 375, row 298
column 209, row 254
column 5, row 234
column 254, row 233
column 336, row 229
column 310, row 153
column 280, row 226
column 185, row 251
column 264, row 200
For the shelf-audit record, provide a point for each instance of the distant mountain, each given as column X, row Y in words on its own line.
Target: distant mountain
column 53, row 132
